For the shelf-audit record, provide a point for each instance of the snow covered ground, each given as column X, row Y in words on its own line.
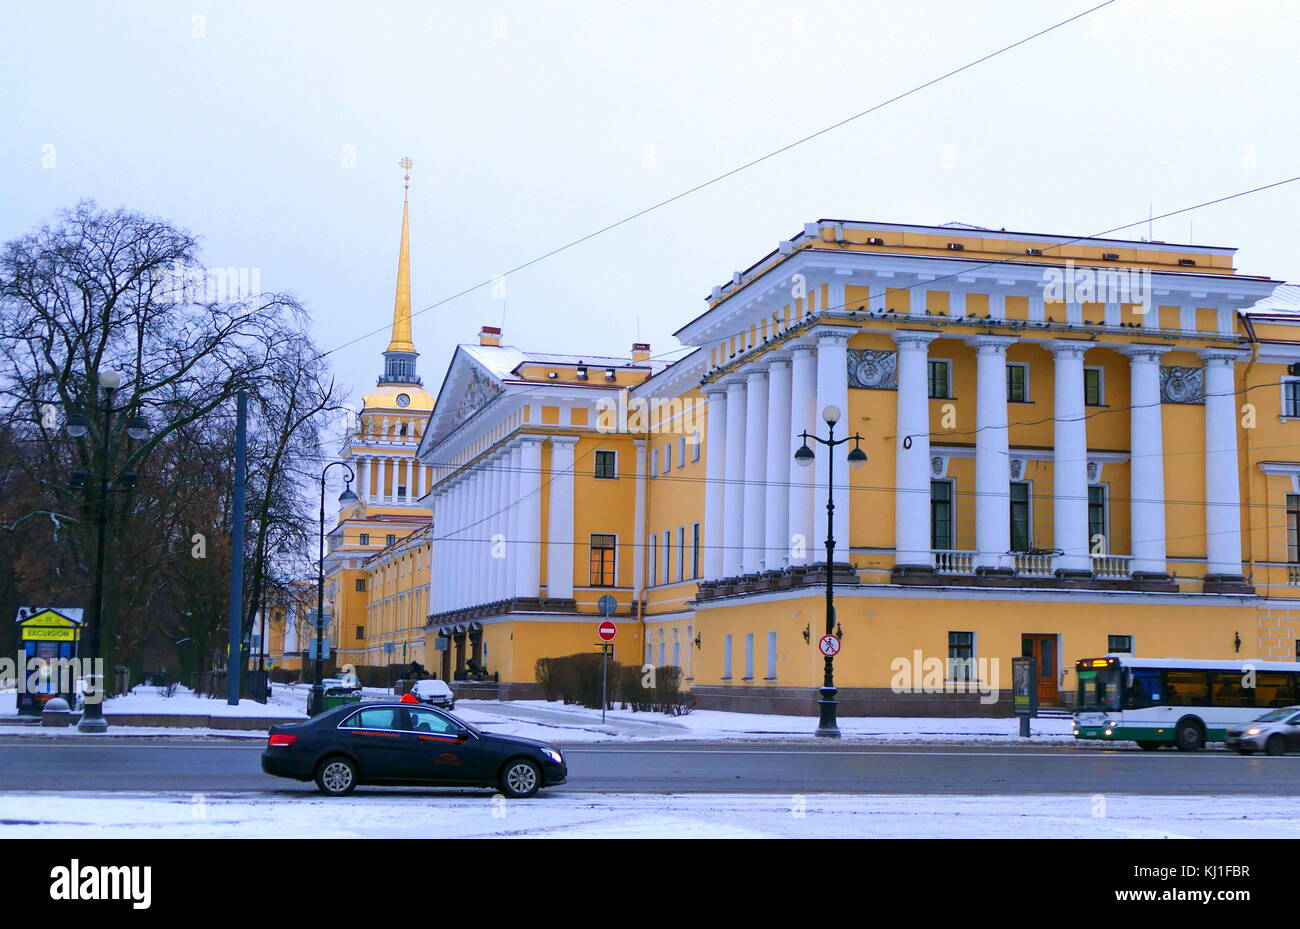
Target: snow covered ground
column 464, row 814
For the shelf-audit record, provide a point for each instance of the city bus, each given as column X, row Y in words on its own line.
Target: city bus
column 1176, row 701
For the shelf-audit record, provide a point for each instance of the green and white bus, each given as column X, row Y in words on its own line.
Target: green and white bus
column 1176, row 701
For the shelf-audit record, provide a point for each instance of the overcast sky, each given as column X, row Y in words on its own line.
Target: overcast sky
column 273, row 131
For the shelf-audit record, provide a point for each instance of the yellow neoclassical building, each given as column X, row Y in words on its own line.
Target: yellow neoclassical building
column 1074, row 447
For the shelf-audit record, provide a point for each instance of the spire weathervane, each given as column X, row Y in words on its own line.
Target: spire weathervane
column 405, row 164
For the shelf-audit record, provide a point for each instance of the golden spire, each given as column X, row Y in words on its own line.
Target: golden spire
column 401, row 340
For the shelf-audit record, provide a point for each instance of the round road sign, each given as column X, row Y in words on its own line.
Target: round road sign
column 829, row 645
column 607, row 631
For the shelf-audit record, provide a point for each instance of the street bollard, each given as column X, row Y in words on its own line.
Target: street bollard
column 56, row 713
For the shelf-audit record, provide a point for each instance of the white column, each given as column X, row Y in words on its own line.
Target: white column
column 528, row 581
column 734, row 495
column 1222, row 469
column 715, row 456
column 638, row 520
column 1070, row 461
column 406, row 480
column 992, row 458
column 912, row 456
column 802, row 544
column 362, row 490
column 454, row 547
column 496, row 504
column 1146, row 462
column 833, row 389
column 777, row 494
column 559, row 529
column 751, row 558
column 512, row 519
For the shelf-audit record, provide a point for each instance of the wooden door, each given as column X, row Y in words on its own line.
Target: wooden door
column 1042, row 648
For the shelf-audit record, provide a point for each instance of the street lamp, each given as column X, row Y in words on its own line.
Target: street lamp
column 317, row 701
column 826, row 725
column 77, row 426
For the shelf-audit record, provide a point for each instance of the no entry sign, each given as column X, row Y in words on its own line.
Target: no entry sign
column 607, row 631
column 829, row 645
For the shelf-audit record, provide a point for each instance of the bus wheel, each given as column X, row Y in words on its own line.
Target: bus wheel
column 1276, row 745
column 1189, row 736
column 1148, row 746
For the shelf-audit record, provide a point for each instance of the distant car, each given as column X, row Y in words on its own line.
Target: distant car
column 1276, row 732
column 407, row 744
column 434, row 693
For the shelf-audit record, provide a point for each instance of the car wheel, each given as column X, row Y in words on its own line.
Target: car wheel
column 1276, row 745
column 520, row 779
column 1148, row 746
column 336, row 776
column 1190, row 735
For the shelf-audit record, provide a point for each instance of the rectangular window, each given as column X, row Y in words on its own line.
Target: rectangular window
column 1020, row 535
column 361, row 585
column 668, row 556
column 1119, row 645
column 696, row 441
column 961, row 656
column 401, row 490
column 1187, row 688
column 361, row 632
column 654, row 462
column 1293, row 528
column 602, row 560
column 771, row 656
column 726, row 657
column 1093, row 394
column 1098, row 540
column 681, row 553
column 681, row 452
column 365, row 539
column 695, row 550
column 391, row 539
column 940, row 372
column 941, row 515
column 661, row 650
column 1291, row 398
column 1017, row 382
column 654, row 560
column 749, row 656
column 668, row 457
column 606, row 465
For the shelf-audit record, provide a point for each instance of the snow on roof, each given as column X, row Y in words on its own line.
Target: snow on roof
column 504, row 360
column 1285, row 299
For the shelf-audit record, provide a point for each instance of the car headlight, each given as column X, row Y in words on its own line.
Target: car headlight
column 553, row 755
column 1254, row 731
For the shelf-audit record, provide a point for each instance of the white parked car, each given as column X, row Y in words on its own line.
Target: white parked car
column 434, row 693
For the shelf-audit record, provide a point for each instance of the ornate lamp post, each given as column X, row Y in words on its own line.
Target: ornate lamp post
column 317, row 701
column 76, row 425
column 827, row 726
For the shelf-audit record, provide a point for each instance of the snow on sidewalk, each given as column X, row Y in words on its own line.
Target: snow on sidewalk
column 574, row 723
column 461, row 814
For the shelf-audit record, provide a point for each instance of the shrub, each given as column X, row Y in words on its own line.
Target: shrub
column 576, row 679
column 545, row 676
column 669, row 696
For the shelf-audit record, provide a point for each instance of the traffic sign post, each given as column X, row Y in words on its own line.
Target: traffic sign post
column 606, row 630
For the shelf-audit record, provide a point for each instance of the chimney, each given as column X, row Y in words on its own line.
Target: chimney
column 640, row 352
column 489, row 335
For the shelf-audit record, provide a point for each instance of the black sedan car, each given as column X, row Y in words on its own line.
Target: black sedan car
column 407, row 744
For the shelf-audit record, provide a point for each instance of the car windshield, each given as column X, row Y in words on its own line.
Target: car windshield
column 1273, row 716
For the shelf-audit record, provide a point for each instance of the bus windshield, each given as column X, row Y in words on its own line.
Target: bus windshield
column 1099, row 689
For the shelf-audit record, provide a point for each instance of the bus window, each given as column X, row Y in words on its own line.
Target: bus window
column 1099, row 690
column 1227, row 690
column 1143, row 689
column 1187, row 688
column 1275, row 688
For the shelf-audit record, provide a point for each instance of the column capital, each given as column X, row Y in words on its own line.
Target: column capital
column 832, row 334
column 733, row 380
column 781, row 357
column 1069, row 347
column 1142, row 352
column 797, row 348
column 1221, row 356
column 991, row 344
column 913, row 340
column 563, row 441
column 754, row 369
column 530, row 441
column 714, row 389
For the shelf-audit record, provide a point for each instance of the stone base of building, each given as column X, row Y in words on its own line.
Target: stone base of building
column 786, row 579
column 1226, row 584
column 1155, row 581
column 853, row 701
column 922, row 574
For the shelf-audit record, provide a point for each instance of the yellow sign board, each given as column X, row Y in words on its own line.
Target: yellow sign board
column 49, row 634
